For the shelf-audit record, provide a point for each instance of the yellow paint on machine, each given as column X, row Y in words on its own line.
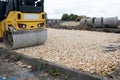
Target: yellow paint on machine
column 1, row 32
column 31, row 20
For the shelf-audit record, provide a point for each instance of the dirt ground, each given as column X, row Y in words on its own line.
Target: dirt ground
column 12, row 69
column 69, row 23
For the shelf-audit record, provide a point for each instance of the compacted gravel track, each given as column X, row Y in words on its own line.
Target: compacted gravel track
column 95, row 52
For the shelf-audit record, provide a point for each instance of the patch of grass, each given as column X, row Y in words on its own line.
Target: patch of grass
column 17, row 57
column 55, row 72
column 43, row 65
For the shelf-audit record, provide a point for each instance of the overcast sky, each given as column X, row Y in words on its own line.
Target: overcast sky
column 96, row 8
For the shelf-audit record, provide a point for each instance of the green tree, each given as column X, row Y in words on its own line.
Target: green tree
column 75, row 17
column 65, row 17
column 71, row 17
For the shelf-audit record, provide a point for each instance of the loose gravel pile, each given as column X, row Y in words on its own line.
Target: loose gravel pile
column 81, row 50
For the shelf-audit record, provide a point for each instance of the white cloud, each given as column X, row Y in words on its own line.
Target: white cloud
column 98, row 8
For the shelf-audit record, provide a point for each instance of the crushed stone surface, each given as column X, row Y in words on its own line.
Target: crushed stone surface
column 81, row 50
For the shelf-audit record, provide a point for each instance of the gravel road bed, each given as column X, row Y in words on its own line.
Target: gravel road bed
column 81, row 50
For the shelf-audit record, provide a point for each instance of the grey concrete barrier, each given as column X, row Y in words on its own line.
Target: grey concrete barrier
column 98, row 23
column 83, row 21
column 119, row 24
column 110, row 22
column 90, row 22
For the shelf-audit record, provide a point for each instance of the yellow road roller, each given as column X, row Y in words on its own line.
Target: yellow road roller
column 22, row 23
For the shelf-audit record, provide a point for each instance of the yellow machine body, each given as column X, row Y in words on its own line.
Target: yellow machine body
column 12, row 20
column 1, row 30
column 37, row 34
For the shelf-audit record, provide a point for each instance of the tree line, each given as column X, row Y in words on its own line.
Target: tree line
column 71, row 17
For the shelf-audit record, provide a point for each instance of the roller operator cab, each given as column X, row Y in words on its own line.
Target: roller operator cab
column 22, row 23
